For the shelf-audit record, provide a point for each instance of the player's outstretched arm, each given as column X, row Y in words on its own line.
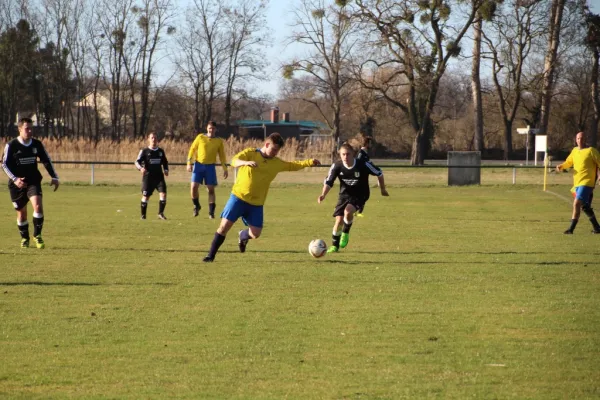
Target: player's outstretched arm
column 298, row 165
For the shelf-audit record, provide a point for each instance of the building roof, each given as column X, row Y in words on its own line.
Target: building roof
column 260, row 122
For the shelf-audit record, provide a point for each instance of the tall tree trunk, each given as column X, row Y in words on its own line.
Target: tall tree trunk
column 593, row 137
column 550, row 63
column 508, row 144
column 476, row 86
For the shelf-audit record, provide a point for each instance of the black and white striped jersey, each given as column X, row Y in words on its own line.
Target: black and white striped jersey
column 154, row 160
column 354, row 180
column 21, row 161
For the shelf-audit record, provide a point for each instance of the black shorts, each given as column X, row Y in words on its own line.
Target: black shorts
column 357, row 202
column 20, row 197
column 150, row 184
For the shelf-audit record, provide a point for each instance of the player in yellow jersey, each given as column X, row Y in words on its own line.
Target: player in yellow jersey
column 201, row 163
column 585, row 162
column 257, row 169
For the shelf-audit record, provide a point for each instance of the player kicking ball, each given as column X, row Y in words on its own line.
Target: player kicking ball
column 353, row 175
column 256, row 170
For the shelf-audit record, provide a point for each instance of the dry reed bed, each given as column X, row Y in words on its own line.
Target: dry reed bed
column 127, row 150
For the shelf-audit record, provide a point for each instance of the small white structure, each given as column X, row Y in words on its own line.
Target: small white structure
column 541, row 146
column 527, row 131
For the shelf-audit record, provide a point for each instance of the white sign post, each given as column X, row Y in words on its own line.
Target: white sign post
column 541, row 146
column 527, row 131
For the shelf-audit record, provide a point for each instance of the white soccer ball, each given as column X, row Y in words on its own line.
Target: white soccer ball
column 317, row 248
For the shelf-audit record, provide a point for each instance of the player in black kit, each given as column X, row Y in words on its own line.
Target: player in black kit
column 353, row 174
column 19, row 162
column 151, row 162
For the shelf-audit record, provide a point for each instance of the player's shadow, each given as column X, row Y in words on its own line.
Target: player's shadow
column 38, row 283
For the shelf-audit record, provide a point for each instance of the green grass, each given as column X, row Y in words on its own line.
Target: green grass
column 449, row 293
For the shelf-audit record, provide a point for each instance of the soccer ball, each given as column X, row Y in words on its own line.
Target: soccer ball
column 317, row 248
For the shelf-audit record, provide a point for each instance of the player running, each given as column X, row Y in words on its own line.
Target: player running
column 257, row 169
column 19, row 162
column 203, row 153
column 353, row 174
column 151, row 162
column 585, row 162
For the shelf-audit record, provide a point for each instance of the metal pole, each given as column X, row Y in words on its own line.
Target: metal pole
column 527, row 149
column 92, row 173
column 514, row 176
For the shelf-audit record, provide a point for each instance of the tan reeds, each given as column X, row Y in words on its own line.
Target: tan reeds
column 127, row 150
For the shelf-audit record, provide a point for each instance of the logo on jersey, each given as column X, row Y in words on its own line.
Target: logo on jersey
column 357, row 174
column 34, row 150
column 160, row 153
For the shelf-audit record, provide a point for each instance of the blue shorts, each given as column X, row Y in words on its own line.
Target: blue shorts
column 584, row 194
column 236, row 208
column 204, row 174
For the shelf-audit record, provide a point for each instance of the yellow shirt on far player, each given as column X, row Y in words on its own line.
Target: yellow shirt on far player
column 204, row 150
column 585, row 163
column 252, row 183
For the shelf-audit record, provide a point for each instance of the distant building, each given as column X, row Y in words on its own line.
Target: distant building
column 260, row 129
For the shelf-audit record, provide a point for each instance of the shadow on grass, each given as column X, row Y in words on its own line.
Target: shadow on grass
column 38, row 283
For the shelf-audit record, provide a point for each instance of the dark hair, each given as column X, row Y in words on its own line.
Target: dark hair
column 151, row 133
column 364, row 140
column 276, row 138
column 24, row 121
column 347, row 146
column 211, row 123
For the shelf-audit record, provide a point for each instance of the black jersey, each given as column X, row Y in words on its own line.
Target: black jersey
column 154, row 160
column 354, row 181
column 363, row 155
column 21, row 161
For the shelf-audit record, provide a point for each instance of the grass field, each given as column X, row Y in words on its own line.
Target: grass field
column 443, row 292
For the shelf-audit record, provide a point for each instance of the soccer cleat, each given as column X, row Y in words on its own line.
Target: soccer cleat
column 39, row 242
column 344, row 240
column 143, row 217
column 359, row 214
column 596, row 231
column 196, row 211
column 162, row 216
column 211, row 216
column 242, row 243
column 568, row 232
column 24, row 243
column 332, row 249
column 208, row 259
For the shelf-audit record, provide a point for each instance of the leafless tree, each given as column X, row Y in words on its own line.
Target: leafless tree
column 593, row 44
column 508, row 44
column 245, row 24
column 146, row 40
column 486, row 12
column 555, row 23
column 414, row 42
column 330, row 36
column 203, row 46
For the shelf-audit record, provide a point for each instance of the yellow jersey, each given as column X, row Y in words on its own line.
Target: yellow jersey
column 585, row 163
column 252, row 183
column 204, row 150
